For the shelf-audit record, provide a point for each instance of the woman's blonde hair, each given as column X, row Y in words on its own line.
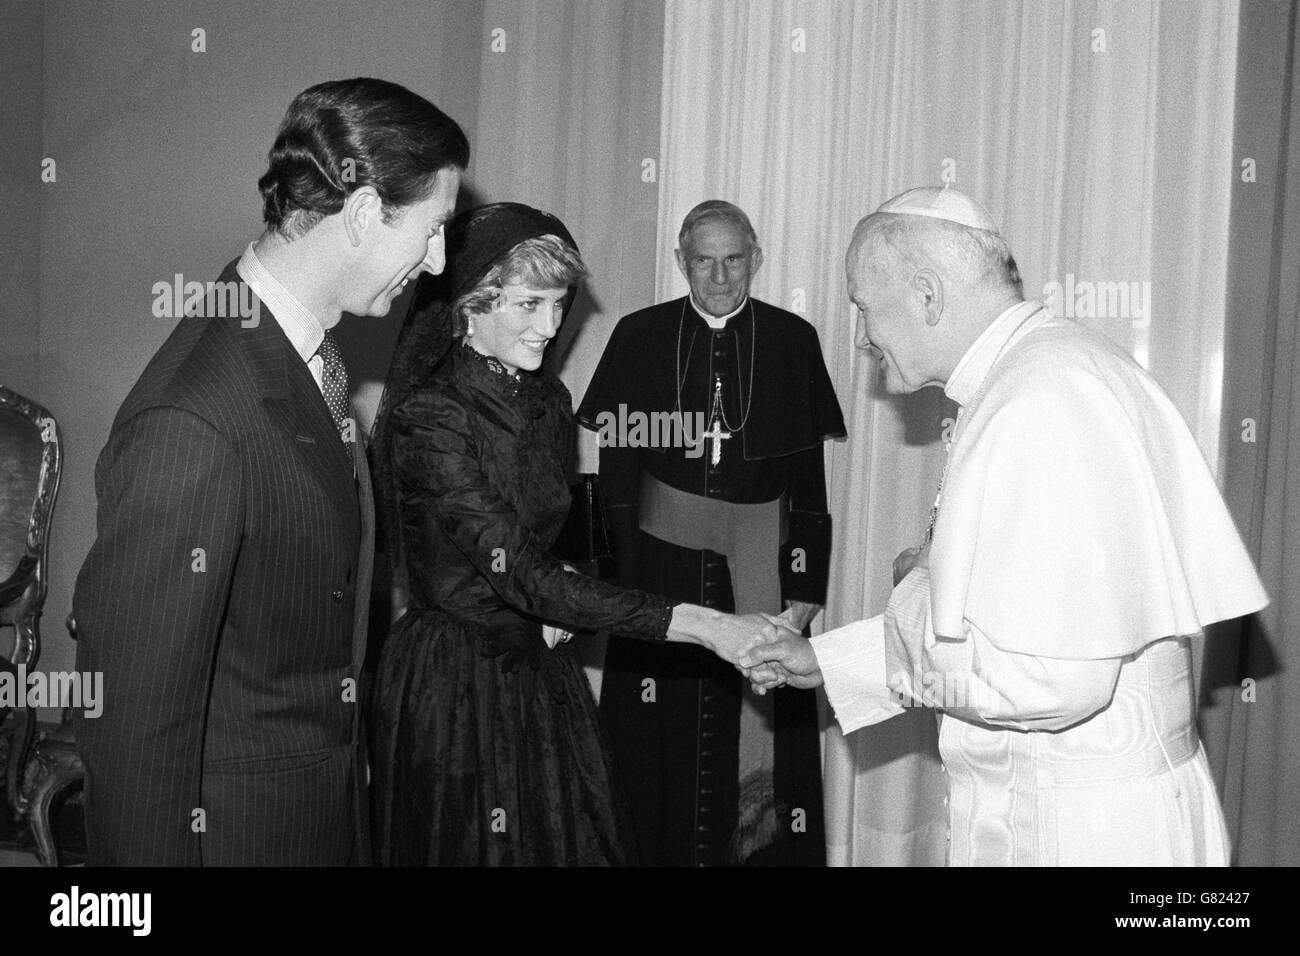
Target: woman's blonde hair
column 543, row 262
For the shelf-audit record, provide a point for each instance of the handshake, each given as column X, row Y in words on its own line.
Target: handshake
column 769, row 650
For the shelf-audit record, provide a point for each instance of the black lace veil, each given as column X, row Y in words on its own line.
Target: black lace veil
column 476, row 241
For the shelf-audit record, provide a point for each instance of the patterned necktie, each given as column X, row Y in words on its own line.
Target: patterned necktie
column 334, row 386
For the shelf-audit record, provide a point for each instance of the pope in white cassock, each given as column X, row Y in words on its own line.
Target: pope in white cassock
column 1078, row 545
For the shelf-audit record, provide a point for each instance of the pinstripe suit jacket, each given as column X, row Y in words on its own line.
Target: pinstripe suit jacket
column 225, row 600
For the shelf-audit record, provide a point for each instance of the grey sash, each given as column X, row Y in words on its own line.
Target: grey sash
column 749, row 536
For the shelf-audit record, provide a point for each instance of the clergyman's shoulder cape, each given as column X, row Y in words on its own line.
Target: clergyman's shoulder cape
column 794, row 403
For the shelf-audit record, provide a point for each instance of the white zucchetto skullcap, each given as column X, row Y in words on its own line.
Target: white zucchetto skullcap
column 946, row 203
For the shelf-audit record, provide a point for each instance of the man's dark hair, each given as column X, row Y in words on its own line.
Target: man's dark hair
column 339, row 136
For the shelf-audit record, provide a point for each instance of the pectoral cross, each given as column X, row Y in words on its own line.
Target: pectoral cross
column 718, row 435
column 715, row 430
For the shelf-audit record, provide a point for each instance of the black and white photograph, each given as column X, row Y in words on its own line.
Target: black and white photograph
column 791, row 434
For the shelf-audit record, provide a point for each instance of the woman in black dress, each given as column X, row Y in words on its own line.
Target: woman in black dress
column 486, row 741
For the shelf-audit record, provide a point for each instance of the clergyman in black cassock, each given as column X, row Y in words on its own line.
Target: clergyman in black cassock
column 708, row 780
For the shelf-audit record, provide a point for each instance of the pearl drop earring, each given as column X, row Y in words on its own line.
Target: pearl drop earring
column 469, row 327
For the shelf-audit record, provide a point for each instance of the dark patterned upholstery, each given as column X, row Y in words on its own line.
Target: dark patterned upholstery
column 29, row 480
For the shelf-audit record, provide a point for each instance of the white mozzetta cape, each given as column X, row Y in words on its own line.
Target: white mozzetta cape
column 1078, row 519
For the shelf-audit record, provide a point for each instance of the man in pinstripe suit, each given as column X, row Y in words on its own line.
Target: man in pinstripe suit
column 226, row 596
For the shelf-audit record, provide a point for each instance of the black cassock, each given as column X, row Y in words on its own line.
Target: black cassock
column 674, row 711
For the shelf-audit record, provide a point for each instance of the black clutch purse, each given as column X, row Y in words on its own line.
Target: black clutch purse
column 584, row 540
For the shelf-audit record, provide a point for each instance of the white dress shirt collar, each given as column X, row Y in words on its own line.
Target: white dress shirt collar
column 303, row 329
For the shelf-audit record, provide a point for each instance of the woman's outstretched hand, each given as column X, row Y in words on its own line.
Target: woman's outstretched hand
column 727, row 635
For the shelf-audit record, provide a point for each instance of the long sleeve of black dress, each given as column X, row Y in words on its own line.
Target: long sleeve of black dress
column 483, row 497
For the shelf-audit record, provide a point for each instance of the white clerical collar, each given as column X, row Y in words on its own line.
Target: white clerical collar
column 717, row 321
column 303, row 329
column 965, row 381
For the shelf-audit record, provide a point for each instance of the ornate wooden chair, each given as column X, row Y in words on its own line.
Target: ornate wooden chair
column 30, row 463
column 59, row 767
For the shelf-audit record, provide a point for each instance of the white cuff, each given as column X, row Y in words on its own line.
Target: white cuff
column 852, row 662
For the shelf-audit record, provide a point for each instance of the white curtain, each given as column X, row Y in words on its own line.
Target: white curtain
column 1099, row 136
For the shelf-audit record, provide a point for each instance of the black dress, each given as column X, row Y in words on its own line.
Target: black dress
column 487, row 745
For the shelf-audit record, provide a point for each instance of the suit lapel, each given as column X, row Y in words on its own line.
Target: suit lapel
column 294, row 402
column 308, row 427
